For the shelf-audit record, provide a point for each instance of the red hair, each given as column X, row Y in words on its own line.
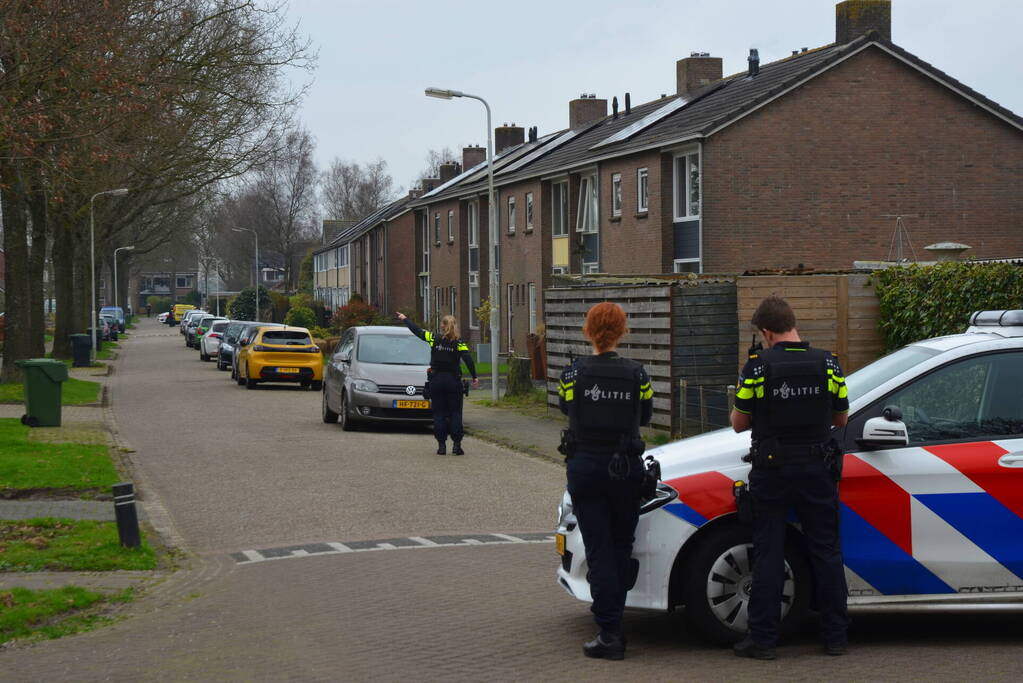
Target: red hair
column 605, row 325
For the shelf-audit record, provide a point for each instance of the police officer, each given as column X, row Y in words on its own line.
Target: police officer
column 792, row 395
column 445, row 378
column 606, row 398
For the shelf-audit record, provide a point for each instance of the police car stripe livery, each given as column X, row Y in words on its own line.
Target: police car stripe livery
column 929, row 520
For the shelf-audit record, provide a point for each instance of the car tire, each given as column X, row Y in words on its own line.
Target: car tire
column 250, row 383
column 220, row 363
column 345, row 417
column 716, row 588
column 329, row 416
column 203, row 356
column 316, row 384
column 238, row 376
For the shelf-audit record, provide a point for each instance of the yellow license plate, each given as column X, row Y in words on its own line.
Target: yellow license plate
column 411, row 404
column 559, row 543
column 288, row 370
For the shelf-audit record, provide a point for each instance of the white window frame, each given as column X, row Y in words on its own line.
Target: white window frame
column 588, row 216
column 511, row 215
column 342, row 256
column 474, row 224
column 451, row 225
column 642, row 190
column 529, row 211
column 511, row 315
column 679, row 261
column 682, row 163
column 616, row 194
column 559, row 188
column 436, row 228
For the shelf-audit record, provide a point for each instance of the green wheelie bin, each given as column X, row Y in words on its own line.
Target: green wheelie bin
column 43, row 379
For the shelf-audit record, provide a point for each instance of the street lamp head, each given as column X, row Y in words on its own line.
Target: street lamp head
column 239, row 229
column 443, row 94
column 128, row 248
column 118, row 192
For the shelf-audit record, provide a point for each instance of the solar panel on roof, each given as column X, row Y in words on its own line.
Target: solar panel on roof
column 645, row 122
column 553, row 145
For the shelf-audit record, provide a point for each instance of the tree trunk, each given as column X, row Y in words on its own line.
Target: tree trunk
column 36, row 267
column 63, row 289
column 83, row 285
column 519, row 382
column 17, row 343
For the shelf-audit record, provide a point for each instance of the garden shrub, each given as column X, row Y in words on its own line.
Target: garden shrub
column 300, row 317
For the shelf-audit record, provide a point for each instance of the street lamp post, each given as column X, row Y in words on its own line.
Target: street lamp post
column 495, row 276
column 117, row 301
column 256, row 235
column 92, row 259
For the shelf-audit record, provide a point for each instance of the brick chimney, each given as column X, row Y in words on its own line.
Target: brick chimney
column 696, row 71
column 853, row 18
column 508, row 136
column 430, row 184
column 473, row 156
column 448, row 170
column 586, row 109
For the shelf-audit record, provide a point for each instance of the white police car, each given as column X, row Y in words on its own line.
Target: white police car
column 931, row 504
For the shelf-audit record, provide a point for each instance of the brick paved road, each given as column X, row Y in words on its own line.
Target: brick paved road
column 247, row 470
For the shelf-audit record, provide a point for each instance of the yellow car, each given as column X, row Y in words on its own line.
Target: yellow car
column 281, row 354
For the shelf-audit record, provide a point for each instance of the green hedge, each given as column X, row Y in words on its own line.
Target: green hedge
column 919, row 302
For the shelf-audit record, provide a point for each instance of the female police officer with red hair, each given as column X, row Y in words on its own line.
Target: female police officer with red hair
column 606, row 398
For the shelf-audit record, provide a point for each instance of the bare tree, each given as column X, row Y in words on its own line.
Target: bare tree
column 351, row 192
column 284, row 194
column 434, row 158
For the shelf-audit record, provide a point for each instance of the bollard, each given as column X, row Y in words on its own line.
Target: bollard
column 127, row 517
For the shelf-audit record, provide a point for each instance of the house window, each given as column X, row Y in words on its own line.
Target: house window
column 424, row 263
column 687, row 265
column 529, row 211
column 642, row 190
column 616, row 194
column 183, row 282
column 511, row 214
column 532, row 307
column 687, row 186
column 474, row 300
column 453, row 300
column 511, row 317
column 559, row 209
column 474, row 264
column 586, row 220
column 342, row 256
column 436, row 228
column 451, row 226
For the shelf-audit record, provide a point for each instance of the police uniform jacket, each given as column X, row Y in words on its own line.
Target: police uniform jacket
column 620, row 405
column 445, row 354
column 792, row 391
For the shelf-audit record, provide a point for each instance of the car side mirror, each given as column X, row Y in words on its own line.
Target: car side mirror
column 887, row 431
column 343, row 357
column 243, row 342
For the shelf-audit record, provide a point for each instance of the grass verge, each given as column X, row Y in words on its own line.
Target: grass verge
column 533, row 404
column 64, row 545
column 36, row 614
column 28, row 464
column 74, row 392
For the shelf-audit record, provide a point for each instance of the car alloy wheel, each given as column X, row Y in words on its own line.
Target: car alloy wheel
column 329, row 416
column 719, row 583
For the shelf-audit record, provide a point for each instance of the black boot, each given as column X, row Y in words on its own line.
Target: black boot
column 456, row 448
column 747, row 648
column 605, row 646
column 442, row 447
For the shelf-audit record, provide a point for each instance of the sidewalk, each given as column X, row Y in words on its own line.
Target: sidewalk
column 537, row 436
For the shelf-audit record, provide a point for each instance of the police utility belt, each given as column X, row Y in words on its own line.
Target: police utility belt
column 772, row 452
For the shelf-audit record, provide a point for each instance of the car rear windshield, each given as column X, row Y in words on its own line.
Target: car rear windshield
column 287, row 338
column 393, row 349
column 220, row 326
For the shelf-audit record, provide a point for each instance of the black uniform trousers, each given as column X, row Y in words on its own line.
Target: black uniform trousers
column 807, row 486
column 446, row 401
column 607, row 511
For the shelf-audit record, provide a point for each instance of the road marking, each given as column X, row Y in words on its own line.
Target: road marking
column 405, row 543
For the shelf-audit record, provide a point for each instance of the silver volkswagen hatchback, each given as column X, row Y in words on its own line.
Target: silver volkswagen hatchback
column 376, row 374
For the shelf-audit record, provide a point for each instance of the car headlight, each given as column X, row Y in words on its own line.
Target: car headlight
column 365, row 385
column 564, row 509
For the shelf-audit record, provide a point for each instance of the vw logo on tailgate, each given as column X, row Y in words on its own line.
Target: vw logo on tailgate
column 410, row 390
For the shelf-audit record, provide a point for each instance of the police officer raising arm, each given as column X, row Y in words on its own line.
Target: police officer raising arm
column 792, row 396
column 447, row 352
column 606, row 398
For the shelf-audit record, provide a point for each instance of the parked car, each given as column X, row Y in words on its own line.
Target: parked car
column 118, row 314
column 245, row 337
column 187, row 317
column 203, row 326
column 103, row 327
column 281, row 354
column 376, row 373
column 191, row 326
column 209, row 343
column 177, row 312
column 228, row 340
column 931, row 497
column 111, row 328
column 162, row 317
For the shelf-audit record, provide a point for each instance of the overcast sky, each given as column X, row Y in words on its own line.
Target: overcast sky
column 528, row 58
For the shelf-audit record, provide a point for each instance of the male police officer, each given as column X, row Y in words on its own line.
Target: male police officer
column 792, row 395
column 606, row 398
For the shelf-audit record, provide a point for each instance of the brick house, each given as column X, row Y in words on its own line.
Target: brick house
column 805, row 160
